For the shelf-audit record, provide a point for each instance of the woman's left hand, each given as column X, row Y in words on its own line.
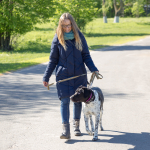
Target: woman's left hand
column 96, row 71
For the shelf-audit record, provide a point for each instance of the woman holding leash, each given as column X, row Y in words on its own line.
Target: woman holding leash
column 69, row 52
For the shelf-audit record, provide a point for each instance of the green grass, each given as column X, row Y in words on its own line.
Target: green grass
column 99, row 34
column 31, row 49
column 34, row 47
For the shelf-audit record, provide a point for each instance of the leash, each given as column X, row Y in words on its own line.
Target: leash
column 64, row 80
column 98, row 76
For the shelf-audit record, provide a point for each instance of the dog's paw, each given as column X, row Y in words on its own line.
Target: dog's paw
column 95, row 138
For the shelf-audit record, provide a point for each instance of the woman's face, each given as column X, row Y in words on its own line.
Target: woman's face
column 66, row 25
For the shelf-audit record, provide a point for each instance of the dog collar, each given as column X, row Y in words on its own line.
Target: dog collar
column 90, row 99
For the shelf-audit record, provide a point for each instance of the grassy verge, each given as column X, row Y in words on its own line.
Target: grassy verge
column 100, row 35
column 34, row 47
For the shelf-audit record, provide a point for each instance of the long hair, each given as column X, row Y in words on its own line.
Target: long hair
column 60, row 33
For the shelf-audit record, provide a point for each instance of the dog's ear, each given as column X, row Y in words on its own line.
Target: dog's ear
column 86, row 92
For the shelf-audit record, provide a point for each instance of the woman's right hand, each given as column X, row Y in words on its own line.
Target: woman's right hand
column 45, row 83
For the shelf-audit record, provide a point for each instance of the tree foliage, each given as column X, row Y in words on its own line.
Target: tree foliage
column 19, row 16
column 138, row 8
column 83, row 11
column 106, row 4
column 128, row 4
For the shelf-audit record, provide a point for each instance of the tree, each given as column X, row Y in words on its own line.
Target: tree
column 119, row 10
column 146, row 4
column 19, row 16
column 106, row 4
column 138, row 8
column 83, row 11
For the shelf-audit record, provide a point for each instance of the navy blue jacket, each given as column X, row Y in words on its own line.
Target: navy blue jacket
column 69, row 63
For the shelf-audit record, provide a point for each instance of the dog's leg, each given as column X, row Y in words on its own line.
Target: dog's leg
column 86, row 119
column 92, row 124
column 97, row 117
column 100, row 122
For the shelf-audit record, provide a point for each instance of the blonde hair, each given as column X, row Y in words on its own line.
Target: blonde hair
column 60, row 33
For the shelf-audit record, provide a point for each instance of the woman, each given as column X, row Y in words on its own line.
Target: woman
column 69, row 52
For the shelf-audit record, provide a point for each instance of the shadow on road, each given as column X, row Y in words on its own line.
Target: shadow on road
column 140, row 141
column 27, row 98
column 121, row 48
column 22, row 92
column 113, row 34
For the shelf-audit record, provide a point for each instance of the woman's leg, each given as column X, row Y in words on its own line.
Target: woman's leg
column 77, row 107
column 65, row 114
column 64, row 108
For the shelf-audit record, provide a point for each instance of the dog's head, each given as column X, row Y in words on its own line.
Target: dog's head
column 81, row 94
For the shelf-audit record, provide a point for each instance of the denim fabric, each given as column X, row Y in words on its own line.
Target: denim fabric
column 65, row 111
column 77, row 107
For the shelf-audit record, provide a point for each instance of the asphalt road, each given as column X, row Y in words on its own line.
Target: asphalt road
column 30, row 114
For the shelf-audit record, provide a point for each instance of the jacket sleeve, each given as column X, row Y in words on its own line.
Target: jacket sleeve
column 86, row 55
column 53, row 60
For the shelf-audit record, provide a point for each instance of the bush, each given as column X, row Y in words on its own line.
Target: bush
column 137, row 9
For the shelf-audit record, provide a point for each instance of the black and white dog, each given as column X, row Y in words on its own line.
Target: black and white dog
column 93, row 105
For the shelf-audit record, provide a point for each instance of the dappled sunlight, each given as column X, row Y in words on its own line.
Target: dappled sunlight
column 23, row 93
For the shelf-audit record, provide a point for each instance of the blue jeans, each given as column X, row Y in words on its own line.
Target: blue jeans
column 65, row 111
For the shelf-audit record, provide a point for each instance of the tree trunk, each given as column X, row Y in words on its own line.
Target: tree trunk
column 147, row 8
column 116, row 19
column 7, row 41
column 105, row 19
column 117, row 10
column 1, row 33
column 6, row 35
column 2, row 41
column 104, row 14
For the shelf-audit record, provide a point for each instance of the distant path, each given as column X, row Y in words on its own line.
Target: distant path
column 30, row 117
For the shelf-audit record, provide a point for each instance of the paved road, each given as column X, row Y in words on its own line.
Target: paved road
column 30, row 117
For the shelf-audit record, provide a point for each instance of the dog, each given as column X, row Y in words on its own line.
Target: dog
column 93, row 105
